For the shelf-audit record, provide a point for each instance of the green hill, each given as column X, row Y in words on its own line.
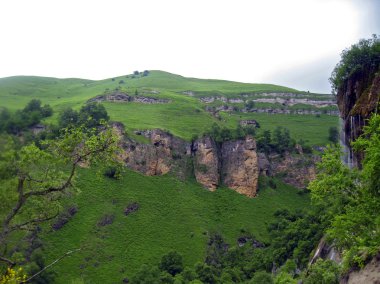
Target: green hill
column 172, row 215
column 185, row 115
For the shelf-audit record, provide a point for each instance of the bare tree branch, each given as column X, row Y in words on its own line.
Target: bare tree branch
column 51, row 264
column 34, row 221
column 8, row 261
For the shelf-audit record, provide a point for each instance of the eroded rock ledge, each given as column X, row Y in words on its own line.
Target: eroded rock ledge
column 121, row 97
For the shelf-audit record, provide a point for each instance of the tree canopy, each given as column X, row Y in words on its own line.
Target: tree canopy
column 359, row 57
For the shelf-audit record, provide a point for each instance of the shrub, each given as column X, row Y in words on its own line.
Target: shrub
column 172, row 263
column 322, row 272
column 261, row 277
column 112, row 172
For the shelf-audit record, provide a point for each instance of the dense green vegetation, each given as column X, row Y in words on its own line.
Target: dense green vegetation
column 351, row 198
column 172, row 215
column 361, row 58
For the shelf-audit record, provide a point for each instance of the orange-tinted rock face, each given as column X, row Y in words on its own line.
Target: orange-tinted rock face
column 240, row 170
column 162, row 155
column 206, row 163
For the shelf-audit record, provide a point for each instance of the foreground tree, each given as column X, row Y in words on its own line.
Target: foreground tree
column 34, row 179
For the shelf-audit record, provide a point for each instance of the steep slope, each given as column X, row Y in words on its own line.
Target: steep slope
column 172, row 215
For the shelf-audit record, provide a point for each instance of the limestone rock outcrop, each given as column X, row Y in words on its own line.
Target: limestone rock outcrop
column 206, row 163
column 165, row 153
column 122, row 97
column 240, row 170
column 297, row 170
column 294, row 169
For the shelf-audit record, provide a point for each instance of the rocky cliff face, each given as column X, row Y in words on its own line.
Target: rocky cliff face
column 294, row 169
column 357, row 99
column 240, row 169
column 369, row 274
column 206, row 163
column 165, row 153
column 234, row 163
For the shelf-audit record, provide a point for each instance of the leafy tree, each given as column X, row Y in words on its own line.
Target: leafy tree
column 46, row 111
column 206, row 273
column 68, row 117
column 261, row 277
column 284, row 278
column 33, row 105
column 188, row 274
column 146, row 274
column 322, row 272
column 225, row 134
column 172, row 263
column 40, row 175
column 294, row 235
column 92, row 114
column 239, row 132
column 4, row 117
column 21, row 120
column 264, row 141
column 281, row 141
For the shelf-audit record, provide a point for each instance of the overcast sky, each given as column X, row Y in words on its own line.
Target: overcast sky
column 295, row 43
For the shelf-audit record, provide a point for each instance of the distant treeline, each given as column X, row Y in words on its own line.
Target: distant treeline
column 278, row 141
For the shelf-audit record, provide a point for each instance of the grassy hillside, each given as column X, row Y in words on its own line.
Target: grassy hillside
column 16, row 91
column 184, row 116
column 173, row 215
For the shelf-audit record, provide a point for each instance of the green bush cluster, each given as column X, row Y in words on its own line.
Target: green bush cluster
column 89, row 115
column 21, row 120
column 279, row 141
column 358, row 59
column 222, row 134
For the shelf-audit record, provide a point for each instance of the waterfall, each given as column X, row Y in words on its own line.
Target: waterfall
column 346, row 155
